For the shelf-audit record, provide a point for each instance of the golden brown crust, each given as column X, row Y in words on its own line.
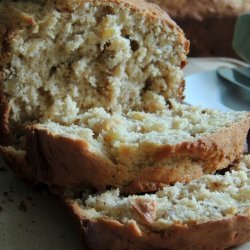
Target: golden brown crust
column 80, row 165
column 45, row 150
column 105, row 233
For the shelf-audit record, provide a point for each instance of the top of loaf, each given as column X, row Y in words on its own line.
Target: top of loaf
column 60, row 58
column 200, row 9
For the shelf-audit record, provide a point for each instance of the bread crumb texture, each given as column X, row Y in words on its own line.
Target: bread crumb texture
column 64, row 57
column 209, row 198
column 133, row 139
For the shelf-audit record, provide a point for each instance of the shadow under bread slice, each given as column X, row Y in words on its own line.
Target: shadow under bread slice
column 212, row 212
column 137, row 151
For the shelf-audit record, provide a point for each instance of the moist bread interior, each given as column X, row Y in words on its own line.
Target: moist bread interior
column 101, row 54
column 211, row 197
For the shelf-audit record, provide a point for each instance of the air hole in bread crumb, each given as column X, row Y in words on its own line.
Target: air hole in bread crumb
column 46, row 94
column 52, row 70
column 224, row 170
column 148, row 84
column 104, row 11
column 134, row 45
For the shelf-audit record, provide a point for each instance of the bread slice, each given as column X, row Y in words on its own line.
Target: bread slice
column 58, row 58
column 138, row 151
column 212, row 212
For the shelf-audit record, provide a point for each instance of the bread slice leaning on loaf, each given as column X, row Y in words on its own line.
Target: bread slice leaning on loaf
column 212, row 212
column 138, row 151
column 58, row 58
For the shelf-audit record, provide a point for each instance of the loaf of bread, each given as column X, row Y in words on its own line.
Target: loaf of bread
column 59, row 58
column 208, row 24
column 138, row 151
column 97, row 84
column 211, row 212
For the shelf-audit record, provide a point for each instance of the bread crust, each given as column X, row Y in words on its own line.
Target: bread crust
column 200, row 9
column 202, row 17
column 106, row 233
column 219, row 41
column 13, row 23
column 10, row 25
column 81, row 165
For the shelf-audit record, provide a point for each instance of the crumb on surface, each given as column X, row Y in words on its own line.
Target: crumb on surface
column 22, row 206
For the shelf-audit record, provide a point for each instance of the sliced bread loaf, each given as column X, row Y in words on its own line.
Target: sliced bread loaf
column 58, row 58
column 137, row 151
column 212, row 212
column 97, row 75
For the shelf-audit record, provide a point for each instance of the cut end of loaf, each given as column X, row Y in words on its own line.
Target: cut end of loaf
column 103, row 54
